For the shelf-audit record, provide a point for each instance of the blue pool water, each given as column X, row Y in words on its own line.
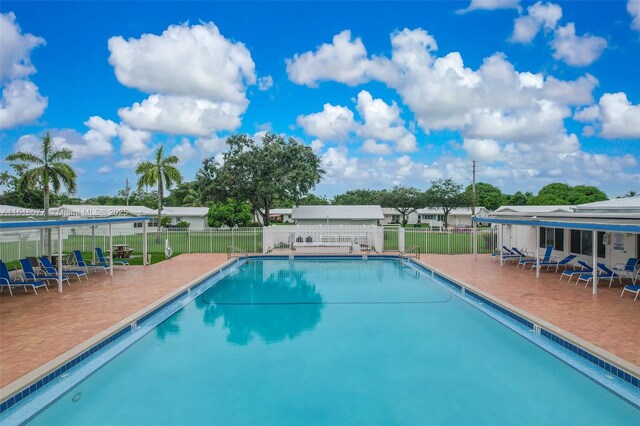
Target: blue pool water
column 334, row 342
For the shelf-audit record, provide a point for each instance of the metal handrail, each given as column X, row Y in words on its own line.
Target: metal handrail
column 413, row 249
column 234, row 249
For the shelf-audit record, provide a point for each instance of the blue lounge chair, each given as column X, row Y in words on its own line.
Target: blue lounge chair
column 564, row 262
column 30, row 274
column 51, row 270
column 81, row 263
column 631, row 269
column 532, row 262
column 5, row 281
column 506, row 251
column 606, row 274
column 584, row 268
column 104, row 261
column 631, row 289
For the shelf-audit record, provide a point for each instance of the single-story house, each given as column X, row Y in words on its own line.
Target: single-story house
column 196, row 217
column 337, row 215
column 570, row 229
column 434, row 217
column 275, row 215
column 392, row 215
column 96, row 211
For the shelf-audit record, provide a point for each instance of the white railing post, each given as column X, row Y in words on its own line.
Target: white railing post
column 400, row 239
column 189, row 237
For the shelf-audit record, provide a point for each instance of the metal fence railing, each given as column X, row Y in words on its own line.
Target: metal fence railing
column 16, row 245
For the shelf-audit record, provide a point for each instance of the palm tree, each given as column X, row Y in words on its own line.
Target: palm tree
column 161, row 172
column 193, row 198
column 50, row 171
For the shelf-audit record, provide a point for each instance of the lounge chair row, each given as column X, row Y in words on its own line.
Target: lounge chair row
column 583, row 272
column 47, row 272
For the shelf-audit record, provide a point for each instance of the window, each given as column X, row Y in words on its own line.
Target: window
column 581, row 243
column 137, row 224
column 153, row 223
column 552, row 236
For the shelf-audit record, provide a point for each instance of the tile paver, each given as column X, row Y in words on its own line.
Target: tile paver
column 605, row 320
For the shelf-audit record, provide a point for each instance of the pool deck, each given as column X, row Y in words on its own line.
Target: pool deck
column 34, row 330
column 604, row 320
column 38, row 332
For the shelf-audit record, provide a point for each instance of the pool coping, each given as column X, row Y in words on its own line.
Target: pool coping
column 554, row 331
column 14, row 392
column 37, row 378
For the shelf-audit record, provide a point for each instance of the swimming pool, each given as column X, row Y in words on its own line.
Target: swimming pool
column 334, row 341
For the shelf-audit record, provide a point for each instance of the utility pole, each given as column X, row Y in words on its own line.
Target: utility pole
column 127, row 189
column 473, row 189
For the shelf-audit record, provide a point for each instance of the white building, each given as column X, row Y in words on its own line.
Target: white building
column 392, row 215
column 337, row 215
column 196, row 217
column 570, row 229
column 434, row 217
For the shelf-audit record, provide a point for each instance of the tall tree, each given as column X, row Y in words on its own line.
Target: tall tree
column 487, row 195
column 49, row 171
column 447, row 195
column 362, row 197
column 161, row 172
column 404, row 200
column 563, row 194
column 230, row 213
column 262, row 174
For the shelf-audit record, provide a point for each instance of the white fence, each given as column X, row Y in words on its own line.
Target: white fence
column 322, row 238
column 280, row 239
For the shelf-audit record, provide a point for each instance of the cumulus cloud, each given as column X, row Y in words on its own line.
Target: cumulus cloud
column 343, row 60
column 182, row 115
column 485, row 150
column 21, row 101
column 539, row 15
column 184, row 151
column 96, row 142
column 133, row 142
column 620, row 118
column 265, row 83
column 633, row 7
column 211, row 145
column 370, row 146
column 104, row 170
column 196, row 77
column 490, row 5
column 576, row 50
column 333, row 123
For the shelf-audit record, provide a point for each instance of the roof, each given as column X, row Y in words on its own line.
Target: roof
column 589, row 224
column 186, row 211
column 463, row 211
column 280, row 211
column 338, row 212
column 88, row 210
column 617, row 204
column 6, row 210
column 533, row 209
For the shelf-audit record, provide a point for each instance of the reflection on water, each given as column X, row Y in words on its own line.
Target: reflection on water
column 273, row 305
column 169, row 326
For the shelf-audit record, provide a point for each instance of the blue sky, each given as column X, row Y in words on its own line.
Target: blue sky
column 386, row 93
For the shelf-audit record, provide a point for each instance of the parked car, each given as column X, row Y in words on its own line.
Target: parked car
column 462, row 228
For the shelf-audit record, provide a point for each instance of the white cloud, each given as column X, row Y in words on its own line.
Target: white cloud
column 15, row 49
column 265, row 83
column 196, row 77
column 211, row 145
column 343, row 60
column 317, row 145
column 633, row 7
column 382, row 122
column 184, row 151
column 588, row 114
column 104, row 170
column 333, row 123
column 485, row 150
column 490, row 5
column 620, row 118
column 182, row 115
column 96, row 142
column 21, row 102
column 370, row 146
column 133, row 142
column 540, row 15
column 576, row 50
